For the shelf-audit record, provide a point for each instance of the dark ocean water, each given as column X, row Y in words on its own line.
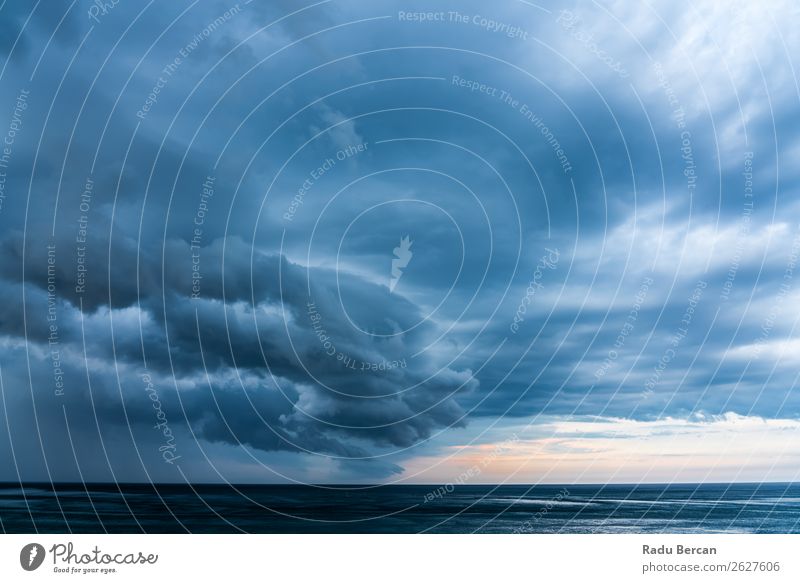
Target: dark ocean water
column 133, row 508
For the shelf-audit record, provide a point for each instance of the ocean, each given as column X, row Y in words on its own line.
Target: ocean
column 644, row 508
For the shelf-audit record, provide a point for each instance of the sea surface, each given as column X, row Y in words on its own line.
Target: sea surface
column 135, row 508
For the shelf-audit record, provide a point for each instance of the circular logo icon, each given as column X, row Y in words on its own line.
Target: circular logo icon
column 31, row 556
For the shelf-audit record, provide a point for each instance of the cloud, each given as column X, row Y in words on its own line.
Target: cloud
column 283, row 336
column 258, row 374
column 728, row 447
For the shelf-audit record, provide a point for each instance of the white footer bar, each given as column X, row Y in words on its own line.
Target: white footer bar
column 382, row 558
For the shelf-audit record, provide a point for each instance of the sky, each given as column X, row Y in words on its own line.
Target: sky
column 399, row 241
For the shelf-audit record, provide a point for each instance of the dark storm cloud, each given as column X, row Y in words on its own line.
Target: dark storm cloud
column 280, row 406
column 250, row 361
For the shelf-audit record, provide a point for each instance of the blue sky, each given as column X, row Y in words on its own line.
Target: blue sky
column 385, row 242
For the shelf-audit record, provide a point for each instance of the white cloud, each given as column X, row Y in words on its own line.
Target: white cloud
column 702, row 448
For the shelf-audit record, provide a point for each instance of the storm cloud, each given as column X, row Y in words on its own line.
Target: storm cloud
column 318, row 242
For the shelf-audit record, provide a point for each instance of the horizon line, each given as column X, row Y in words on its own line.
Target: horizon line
column 378, row 485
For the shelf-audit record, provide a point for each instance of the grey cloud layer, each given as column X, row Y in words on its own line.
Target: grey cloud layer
column 650, row 195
